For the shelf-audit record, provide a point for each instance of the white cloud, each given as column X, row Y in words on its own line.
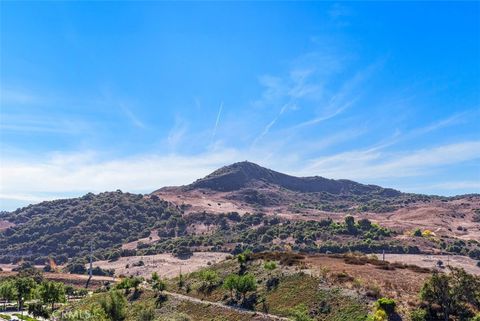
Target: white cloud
column 447, row 186
column 83, row 172
column 373, row 164
column 78, row 173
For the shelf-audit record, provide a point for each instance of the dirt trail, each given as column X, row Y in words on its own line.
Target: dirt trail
column 223, row 306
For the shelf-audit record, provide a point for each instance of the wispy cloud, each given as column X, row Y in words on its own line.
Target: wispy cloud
column 27, row 197
column 446, row 186
column 305, row 89
column 132, row 117
column 18, row 96
column 177, row 133
column 41, row 124
column 322, row 118
column 452, row 120
column 267, row 128
column 373, row 163
column 217, row 121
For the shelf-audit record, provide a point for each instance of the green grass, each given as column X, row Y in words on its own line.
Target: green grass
column 5, row 316
column 324, row 303
column 292, row 290
column 24, row 317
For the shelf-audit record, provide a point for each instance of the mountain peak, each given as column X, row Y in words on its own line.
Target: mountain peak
column 250, row 175
column 235, row 176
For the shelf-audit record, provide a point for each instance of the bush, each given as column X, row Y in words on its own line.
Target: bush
column 300, row 313
column 386, row 304
column 418, row 315
column 146, row 314
column 114, row 306
column 270, row 265
column 38, row 310
column 378, row 315
column 451, row 295
column 417, row 232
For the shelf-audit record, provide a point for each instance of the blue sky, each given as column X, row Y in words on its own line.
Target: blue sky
column 102, row 96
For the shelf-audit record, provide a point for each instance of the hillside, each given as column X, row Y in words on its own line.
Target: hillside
column 242, row 206
column 66, row 228
column 284, row 286
column 255, row 186
column 249, row 175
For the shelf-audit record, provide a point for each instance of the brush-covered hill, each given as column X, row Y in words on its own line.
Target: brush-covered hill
column 66, row 228
column 237, row 207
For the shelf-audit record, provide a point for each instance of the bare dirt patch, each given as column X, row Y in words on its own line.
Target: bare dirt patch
column 5, row 224
column 430, row 261
column 147, row 240
column 166, row 265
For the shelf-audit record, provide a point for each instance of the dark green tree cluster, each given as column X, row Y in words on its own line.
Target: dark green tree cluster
column 64, row 229
column 450, row 296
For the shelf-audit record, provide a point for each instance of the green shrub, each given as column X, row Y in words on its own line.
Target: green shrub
column 300, row 313
column 417, row 232
column 386, row 304
column 5, row 316
column 114, row 305
column 418, row 315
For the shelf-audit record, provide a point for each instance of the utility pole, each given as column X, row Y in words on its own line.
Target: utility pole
column 90, row 270
column 383, row 255
column 91, row 260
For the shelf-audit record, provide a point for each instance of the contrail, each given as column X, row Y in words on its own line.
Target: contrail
column 218, row 119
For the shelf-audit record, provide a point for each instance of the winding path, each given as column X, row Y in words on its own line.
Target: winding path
column 224, row 306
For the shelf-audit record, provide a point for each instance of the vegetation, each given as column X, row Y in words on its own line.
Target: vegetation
column 114, row 306
column 63, row 229
column 457, row 294
column 52, row 292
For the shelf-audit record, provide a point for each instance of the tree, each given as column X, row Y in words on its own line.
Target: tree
column 52, row 292
column 454, row 293
column 246, row 283
column 38, row 310
column 241, row 284
column 209, row 280
column 130, row 282
column 365, row 224
column 7, row 292
column 242, row 259
column 114, row 305
column 350, row 224
column 24, row 287
column 158, row 286
column 230, row 283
